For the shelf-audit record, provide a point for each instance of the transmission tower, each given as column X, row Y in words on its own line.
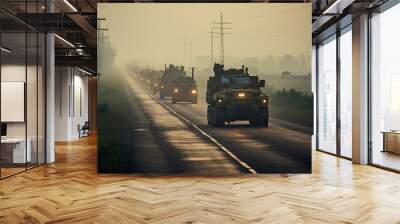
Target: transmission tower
column 221, row 34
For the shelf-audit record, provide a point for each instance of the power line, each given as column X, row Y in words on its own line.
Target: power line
column 221, row 34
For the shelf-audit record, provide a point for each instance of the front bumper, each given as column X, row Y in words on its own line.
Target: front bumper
column 184, row 97
column 237, row 111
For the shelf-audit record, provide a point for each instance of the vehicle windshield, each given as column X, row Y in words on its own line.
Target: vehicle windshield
column 239, row 81
column 185, row 79
column 245, row 81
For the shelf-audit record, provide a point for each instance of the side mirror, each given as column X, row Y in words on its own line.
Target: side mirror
column 262, row 83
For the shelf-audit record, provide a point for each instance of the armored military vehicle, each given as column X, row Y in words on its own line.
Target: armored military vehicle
column 235, row 95
column 184, row 89
column 170, row 74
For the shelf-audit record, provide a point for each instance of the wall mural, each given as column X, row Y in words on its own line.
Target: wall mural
column 204, row 89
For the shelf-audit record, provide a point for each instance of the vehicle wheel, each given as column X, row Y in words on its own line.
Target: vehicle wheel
column 219, row 117
column 263, row 118
column 253, row 122
column 212, row 116
column 267, row 118
column 209, row 117
column 173, row 100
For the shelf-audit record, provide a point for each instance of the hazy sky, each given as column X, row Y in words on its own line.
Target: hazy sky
column 155, row 34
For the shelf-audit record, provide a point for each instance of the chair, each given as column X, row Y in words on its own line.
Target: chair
column 84, row 130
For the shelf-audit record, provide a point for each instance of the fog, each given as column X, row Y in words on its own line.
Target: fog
column 269, row 38
column 272, row 40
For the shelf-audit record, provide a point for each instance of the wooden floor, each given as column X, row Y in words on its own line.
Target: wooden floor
column 70, row 191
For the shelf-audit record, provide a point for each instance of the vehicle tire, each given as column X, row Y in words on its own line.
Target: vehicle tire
column 219, row 117
column 267, row 118
column 209, row 117
column 253, row 122
column 173, row 100
column 263, row 118
column 212, row 116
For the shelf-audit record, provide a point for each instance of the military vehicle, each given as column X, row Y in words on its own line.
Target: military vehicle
column 154, row 81
column 142, row 76
column 235, row 95
column 170, row 74
column 184, row 89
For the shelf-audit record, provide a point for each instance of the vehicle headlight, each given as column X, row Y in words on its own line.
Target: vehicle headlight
column 241, row 95
column 219, row 100
column 194, row 91
column 176, row 90
column 264, row 101
column 156, row 84
column 162, row 87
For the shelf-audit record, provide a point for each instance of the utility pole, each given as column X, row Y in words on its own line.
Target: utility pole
column 221, row 20
column 184, row 54
column 212, row 47
column 190, row 55
column 221, row 34
column 187, row 54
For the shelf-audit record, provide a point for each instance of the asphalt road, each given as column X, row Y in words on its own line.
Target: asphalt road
column 167, row 144
column 182, row 142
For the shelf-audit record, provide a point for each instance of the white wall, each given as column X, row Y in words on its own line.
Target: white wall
column 16, row 73
column 62, row 83
column 71, row 102
column 33, row 126
column 12, row 73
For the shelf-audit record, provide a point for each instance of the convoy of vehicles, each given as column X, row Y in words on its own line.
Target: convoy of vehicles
column 150, row 78
column 234, row 95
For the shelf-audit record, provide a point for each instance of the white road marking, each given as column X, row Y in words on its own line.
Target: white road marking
column 233, row 156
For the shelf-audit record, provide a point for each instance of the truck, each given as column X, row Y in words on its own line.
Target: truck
column 170, row 74
column 185, row 89
column 235, row 95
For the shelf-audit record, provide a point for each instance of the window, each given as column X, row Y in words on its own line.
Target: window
column 22, row 87
column 385, row 89
column 346, row 93
column 327, row 95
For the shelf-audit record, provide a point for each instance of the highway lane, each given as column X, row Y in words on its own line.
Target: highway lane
column 281, row 148
column 166, row 144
